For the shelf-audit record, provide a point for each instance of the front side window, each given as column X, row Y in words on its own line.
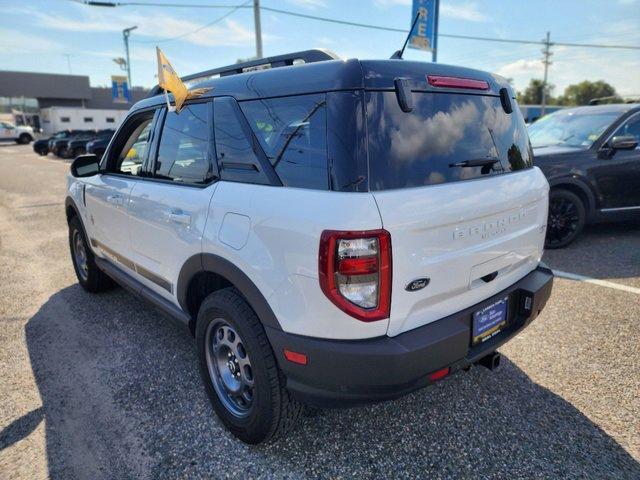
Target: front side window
column 293, row 134
column 630, row 128
column 134, row 149
column 184, row 150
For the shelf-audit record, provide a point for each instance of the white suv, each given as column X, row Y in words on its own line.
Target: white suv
column 19, row 134
column 332, row 232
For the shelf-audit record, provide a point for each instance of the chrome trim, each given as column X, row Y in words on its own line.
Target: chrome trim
column 619, row 209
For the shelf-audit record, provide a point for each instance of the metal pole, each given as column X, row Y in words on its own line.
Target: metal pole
column 256, row 19
column 434, row 52
column 547, row 53
column 125, row 34
column 68, row 61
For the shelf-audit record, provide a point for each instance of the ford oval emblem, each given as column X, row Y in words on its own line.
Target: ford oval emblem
column 417, row 284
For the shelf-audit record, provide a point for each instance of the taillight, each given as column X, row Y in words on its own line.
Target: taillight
column 355, row 272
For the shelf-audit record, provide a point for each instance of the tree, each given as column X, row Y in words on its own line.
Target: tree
column 533, row 93
column 581, row 93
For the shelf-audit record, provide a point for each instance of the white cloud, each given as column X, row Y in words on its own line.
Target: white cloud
column 463, row 11
column 460, row 10
column 572, row 65
column 153, row 26
column 521, row 67
column 388, row 3
column 15, row 41
column 310, row 4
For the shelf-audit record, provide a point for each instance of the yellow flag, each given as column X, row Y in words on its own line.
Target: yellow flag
column 170, row 81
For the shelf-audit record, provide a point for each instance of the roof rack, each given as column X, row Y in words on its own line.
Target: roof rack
column 305, row 56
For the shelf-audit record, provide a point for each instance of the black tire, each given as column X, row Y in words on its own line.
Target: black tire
column 24, row 138
column 567, row 216
column 42, row 153
column 90, row 277
column 77, row 152
column 271, row 411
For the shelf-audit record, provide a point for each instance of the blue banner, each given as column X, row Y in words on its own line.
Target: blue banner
column 423, row 36
column 120, row 89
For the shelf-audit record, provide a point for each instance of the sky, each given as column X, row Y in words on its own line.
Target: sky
column 56, row 36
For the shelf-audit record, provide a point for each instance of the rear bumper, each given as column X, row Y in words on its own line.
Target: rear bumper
column 346, row 372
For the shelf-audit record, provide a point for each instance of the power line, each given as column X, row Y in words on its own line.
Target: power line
column 210, row 24
column 355, row 24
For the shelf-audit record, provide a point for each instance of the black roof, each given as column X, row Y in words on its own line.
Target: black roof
column 333, row 75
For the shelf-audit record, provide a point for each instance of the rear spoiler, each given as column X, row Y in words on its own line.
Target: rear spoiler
column 288, row 59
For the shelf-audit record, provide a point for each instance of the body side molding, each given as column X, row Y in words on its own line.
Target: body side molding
column 134, row 286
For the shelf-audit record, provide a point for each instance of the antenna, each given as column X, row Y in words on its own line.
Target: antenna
column 398, row 54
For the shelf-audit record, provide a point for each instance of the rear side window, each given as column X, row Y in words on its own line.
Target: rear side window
column 292, row 131
column 184, row 150
column 427, row 145
column 237, row 158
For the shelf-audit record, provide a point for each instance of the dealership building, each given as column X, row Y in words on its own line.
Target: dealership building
column 53, row 102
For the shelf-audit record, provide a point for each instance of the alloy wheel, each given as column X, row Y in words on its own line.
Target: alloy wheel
column 564, row 220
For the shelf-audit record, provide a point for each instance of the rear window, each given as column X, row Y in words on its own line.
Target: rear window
column 422, row 147
column 293, row 134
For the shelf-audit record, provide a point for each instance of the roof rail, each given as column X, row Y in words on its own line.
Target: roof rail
column 285, row 60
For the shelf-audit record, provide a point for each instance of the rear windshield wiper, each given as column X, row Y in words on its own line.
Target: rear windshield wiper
column 476, row 162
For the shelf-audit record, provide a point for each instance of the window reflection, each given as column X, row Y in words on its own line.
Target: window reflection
column 419, row 148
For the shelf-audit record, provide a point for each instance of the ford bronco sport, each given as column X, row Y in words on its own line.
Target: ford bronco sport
column 332, row 232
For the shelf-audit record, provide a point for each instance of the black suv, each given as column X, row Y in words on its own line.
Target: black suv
column 591, row 158
column 78, row 144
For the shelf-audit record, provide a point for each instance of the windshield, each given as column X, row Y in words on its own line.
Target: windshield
column 570, row 129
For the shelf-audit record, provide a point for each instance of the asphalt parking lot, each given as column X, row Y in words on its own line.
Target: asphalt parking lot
column 103, row 387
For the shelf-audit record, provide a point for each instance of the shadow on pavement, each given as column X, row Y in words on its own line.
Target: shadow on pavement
column 122, row 398
column 20, row 428
column 604, row 251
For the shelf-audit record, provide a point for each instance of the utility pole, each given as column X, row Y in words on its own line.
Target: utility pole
column 434, row 52
column 256, row 19
column 68, row 61
column 125, row 34
column 546, row 51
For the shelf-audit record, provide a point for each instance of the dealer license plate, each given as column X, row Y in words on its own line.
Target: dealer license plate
column 489, row 321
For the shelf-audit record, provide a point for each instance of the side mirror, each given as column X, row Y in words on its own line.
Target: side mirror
column 624, row 142
column 85, row 166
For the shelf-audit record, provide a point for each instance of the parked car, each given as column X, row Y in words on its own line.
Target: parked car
column 591, row 158
column 333, row 232
column 42, row 146
column 18, row 134
column 98, row 146
column 58, row 146
column 78, row 144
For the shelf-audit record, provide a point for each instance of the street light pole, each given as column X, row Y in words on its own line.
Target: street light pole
column 256, row 19
column 125, row 34
column 545, row 60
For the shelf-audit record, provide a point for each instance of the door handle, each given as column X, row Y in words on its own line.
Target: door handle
column 177, row 216
column 115, row 200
